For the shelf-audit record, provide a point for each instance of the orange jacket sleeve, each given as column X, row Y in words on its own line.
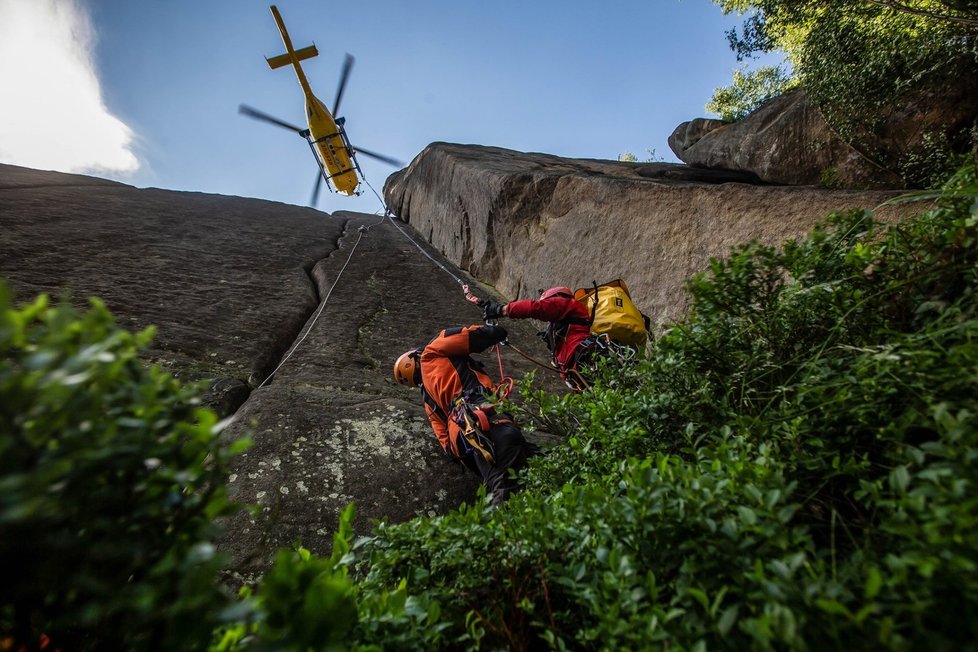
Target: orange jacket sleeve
column 439, row 426
column 462, row 341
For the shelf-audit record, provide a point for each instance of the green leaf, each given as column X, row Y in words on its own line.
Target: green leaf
column 728, row 619
column 833, row 607
column 700, row 596
column 874, row 581
column 747, row 515
column 900, row 478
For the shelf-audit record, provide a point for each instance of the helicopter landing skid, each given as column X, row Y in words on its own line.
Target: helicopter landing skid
column 349, row 150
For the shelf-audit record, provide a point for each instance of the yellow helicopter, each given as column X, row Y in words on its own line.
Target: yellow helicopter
column 326, row 135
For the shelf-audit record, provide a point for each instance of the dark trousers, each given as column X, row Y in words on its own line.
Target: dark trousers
column 511, row 450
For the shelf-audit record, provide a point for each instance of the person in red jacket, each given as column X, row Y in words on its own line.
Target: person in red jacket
column 456, row 391
column 568, row 335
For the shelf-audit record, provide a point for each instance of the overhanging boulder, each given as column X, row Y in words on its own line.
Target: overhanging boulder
column 785, row 141
column 524, row 221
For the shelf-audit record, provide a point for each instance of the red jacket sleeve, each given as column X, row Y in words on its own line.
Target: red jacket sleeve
column 550, row 309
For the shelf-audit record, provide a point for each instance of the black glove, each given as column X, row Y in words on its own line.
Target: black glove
column 492, row 310
column 483, row 337
column 498, row 333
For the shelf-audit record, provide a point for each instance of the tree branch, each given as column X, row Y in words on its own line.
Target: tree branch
column 907, row 9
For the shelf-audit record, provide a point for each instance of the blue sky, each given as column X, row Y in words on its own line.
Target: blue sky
column 571, row 78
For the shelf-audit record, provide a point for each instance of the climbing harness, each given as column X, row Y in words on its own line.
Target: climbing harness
column 474, row 414
column 604, row 345
column 473, row 429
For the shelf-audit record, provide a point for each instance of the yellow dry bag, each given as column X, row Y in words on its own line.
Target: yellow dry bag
column 613, row 313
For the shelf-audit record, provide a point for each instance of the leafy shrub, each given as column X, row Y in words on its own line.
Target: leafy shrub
column 937, row 158
column 303, row 603
column 110, row 480
column 653, row 157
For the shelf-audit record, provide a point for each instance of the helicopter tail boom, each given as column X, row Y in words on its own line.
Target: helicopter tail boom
column 286, row 59
column 291, row 55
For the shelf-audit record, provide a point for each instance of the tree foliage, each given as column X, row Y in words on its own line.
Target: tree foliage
column 866, row 63
column 749, row 90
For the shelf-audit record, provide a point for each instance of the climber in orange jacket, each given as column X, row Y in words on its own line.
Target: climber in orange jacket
column 568, row 336
column 455, row 389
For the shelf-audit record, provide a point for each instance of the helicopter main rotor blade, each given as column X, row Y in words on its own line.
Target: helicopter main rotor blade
column 258, row 115
column 379, row 157
column 344, row 75
column 315, row 190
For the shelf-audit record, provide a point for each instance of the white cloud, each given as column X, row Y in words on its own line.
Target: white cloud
column 51, row 113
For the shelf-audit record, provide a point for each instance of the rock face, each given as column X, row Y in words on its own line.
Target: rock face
column 296, row 316
column 527, row 221
column 232, row 285
column 785, row 141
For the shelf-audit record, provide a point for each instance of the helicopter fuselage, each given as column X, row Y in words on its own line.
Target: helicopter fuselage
column 329, row 142
column 327, row 139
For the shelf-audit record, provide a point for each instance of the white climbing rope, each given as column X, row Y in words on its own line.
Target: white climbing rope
column 388, row 215
column 363, row 228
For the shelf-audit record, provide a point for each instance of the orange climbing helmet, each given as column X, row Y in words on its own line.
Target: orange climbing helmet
column 546, row 294
column 407, row 369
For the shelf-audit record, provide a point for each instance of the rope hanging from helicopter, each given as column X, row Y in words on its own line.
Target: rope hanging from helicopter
column 469, row 296
column 388, row 215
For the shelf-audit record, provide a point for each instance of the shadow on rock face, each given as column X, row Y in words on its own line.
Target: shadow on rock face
column 225, row 395
column 692, row 173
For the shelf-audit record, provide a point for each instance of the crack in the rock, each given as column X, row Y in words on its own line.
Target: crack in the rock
column 363, row 328
column 279, row 349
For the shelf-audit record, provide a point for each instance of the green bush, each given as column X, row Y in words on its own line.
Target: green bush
column 110, row 480
column 302, row 603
